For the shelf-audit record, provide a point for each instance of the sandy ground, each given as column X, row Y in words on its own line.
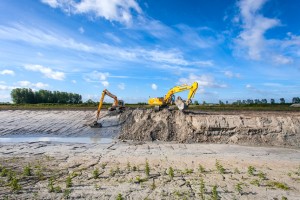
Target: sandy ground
column 121, row 168
column 53, row 170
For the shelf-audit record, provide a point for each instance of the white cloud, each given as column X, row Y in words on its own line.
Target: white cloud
column 28, row 84
column 48, row 72
column 7, row 72
column 230, row 74
column 105, row 83
column 113, row 37
column 97, row 77
column 74, row 81
column 39, row 37
column 19, row 32
column 6, row 87
column 154, row 86
column 81, row 30
column 255, row 25
column 279, row 59
column 116, row 10
column 203, row 81
column 52, row 3
column 121, row 86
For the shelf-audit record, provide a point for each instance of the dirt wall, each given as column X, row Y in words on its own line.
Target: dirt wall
column 251, row 128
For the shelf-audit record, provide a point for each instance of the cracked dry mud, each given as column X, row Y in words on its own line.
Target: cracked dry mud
column 121, row 165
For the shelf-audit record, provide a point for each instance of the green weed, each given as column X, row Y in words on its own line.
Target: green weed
column 201, row 169
column 275, row 184
column 147, row 168
column 96, row 173
column 255, row 182
column 14, row 184
column 214, row 193
column 251, row 170
column 27, row 171
column 202, row 189
column 171, row 172
column 238, row 187
column 69, row 182
column 119, row 197
column 220, row 167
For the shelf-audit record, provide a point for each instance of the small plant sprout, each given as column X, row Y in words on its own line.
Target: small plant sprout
column 67, row 193
column 201, row 169
column 275, row 184
column 68, row 182
column 147, row 169
column 119, row 197
column 103, row 165
column 50, row 185
column 202, row 189
column 134, row 168
column 214, row 193
column 261, row 175
column 188, row 171
column 14, row 184
column 255, row 182
column 128, row 166
column 171, row 172
column 220, row 167
column 96, row 173
column 284, row 198
column 238, row 187
column 251, row 170
column 153, row 186
column 237, row 171
column 27, row 171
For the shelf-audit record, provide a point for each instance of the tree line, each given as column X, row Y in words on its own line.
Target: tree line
column 27, row 95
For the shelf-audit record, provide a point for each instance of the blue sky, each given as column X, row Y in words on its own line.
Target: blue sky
column 235, row 49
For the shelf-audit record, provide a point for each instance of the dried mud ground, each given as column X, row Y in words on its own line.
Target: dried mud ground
column 44, row 170
column 117, row 170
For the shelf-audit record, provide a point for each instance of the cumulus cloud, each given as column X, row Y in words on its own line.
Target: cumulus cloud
column 254, row 27
column 203, row 81
column 7, row 72
column 117, row 10
column 230, row 74
column 81, row 30
column 121, row 86
column 46, row 71
column 105, row 83
column 99, row 77
column 28, row 84
column 154, row 86
column 6, row 87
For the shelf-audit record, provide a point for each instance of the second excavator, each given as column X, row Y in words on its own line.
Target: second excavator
column 169, row 98
column 118, row 106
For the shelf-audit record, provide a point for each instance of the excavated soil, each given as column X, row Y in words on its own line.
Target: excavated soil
column 248, row 128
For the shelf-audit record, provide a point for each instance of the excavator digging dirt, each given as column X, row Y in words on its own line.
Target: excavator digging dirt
column 169, row 99
column 117, row 107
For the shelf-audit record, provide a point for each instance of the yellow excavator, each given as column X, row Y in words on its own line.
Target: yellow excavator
column 169, row 99
column 118, row 106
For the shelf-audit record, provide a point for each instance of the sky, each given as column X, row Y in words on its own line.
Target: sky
column 234, row 49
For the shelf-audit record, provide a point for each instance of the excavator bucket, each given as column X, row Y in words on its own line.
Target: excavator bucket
column 95, row 124
column 180, row 104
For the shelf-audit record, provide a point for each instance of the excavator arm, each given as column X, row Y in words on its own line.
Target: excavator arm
column 106, row 92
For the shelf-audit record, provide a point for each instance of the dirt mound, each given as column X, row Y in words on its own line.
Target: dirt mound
column 278, row 129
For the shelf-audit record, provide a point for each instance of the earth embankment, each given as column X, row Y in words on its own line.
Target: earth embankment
column 246, row 128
